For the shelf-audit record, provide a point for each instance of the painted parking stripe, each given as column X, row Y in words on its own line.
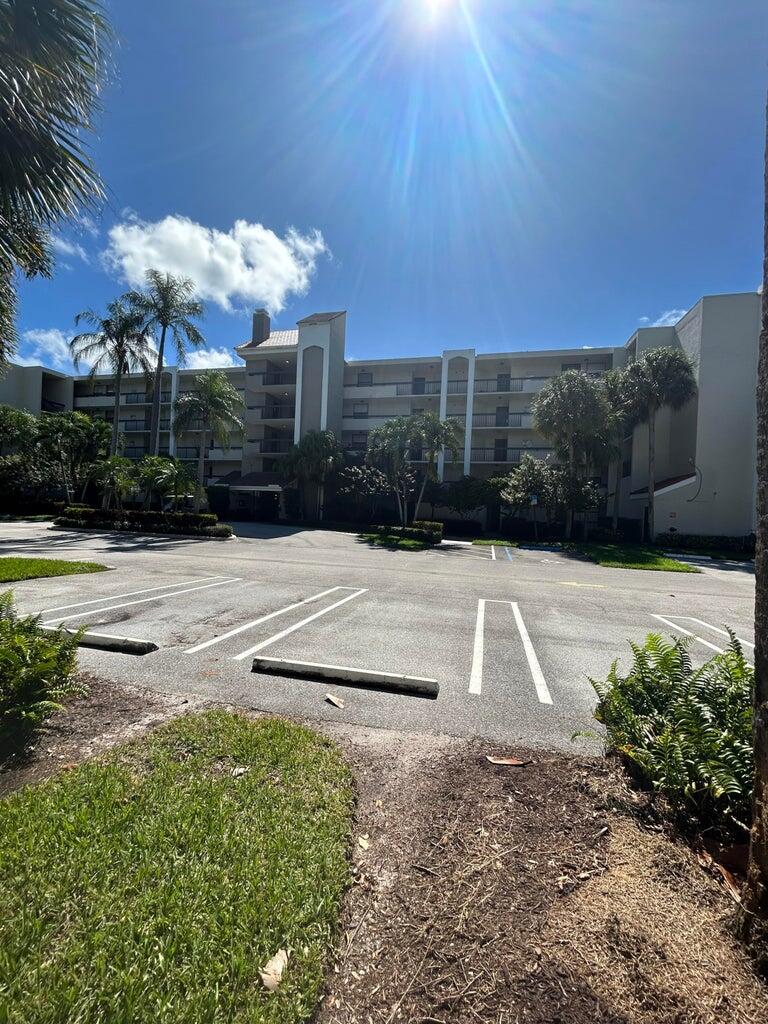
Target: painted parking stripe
column 131, row 593
column 542, row 690
column 264, row 618
column 143, row 600
column 292, row 629
column 493, row 552
column 715, row 629
column 508, row 554
column 682, row 629
column 476, row 676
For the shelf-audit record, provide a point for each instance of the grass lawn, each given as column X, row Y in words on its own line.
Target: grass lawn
column 13, row 569
column 41, row 518
column 150, row 887
column 630, row 556
column 483, row 542
column 393, row 542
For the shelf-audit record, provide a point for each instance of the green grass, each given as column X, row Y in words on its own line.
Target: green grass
column 40, row 518
column 394, row 543
column 630, row 556
column 483, row 542
column 149, row 887
column 13, row 569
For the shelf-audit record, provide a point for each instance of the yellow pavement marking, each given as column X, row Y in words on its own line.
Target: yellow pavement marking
column 594, row 586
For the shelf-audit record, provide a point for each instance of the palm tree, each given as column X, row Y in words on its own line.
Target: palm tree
column 661, row 377
column 431, row 435
column 572, row 412
column 754, row 912
column 167, row 304
column 218, row 406
column 154, row 474
column 115, row 476
column 52, row 63
column 389, row 448
column 179, row 480
column 619, row 425
column 317, row 454
column 117, row 343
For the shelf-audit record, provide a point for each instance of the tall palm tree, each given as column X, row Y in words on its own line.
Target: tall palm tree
column 618, row 426
column 167, row 304
column 571, row 411
column 754, row 914
column 155, row 476
column 52, row 64
column 431, row 435
column 317, row 454
column 216, row 404
column 117, row 344
column 661, row 377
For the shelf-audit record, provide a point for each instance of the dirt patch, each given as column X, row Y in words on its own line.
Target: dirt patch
column 541, row 894
column 109, row 714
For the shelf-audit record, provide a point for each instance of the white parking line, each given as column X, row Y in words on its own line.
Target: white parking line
column 127, row 604
column 509, row 554
column 542, row 690
column 298, row 625
column 716, row 629
column 493, row 552
column 264, row 618
column 682, row 629
column 131, row 593
column 476, row 676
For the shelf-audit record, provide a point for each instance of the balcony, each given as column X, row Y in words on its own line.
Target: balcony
column 142, row 398
column 504, row 385
column 418, row 387
column 187, row 453
column 271, row 445
column 135, row 453
column 267, row 378
column 231, row 454
column 133, row 426
column 274, row 412
column 508, row 455
column 501, row 420
column 47, row 405
column 457, row 387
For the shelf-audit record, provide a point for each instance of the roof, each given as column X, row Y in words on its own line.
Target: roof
column 321, row 318
column 662, row 484
column 277, row 339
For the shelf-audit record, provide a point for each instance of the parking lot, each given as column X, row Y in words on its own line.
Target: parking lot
column 510, row 635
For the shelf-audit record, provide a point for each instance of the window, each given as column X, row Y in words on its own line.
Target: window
column 365, row 379
column 419, row 385
column 360, row 410
column 570, row 366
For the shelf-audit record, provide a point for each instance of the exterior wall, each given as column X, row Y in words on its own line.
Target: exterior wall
column 22, row 387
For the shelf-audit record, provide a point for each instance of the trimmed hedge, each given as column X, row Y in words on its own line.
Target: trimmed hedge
column 408, row 533
column 199, row 524
column 705, row 542
column 436, row 529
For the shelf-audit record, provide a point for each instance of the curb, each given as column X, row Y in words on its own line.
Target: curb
column 138, row 533
column 104, row 642
column 389, row 682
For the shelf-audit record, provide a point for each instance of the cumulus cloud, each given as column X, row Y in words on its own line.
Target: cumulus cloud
column 48, row 346
column 211, row 358
column 667, row 319
column 249, row 263
column 63, row 247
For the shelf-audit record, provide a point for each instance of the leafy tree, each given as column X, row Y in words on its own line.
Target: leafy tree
column 662, row 376
column 216, row 404
column 317, row 454
column 52, row 60
column 167, row 304
column 389, row 449
column 572, row 412
column 431, row 435
column 154, row 474
column 754, row 915
column 115, row 476
column 531, row 485
column 468, row 494
column 71, row 444
column 180, row 481
column 18, row 430
column 117, row 344
column 365, row 484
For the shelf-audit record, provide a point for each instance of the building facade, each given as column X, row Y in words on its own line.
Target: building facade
column 293, row 381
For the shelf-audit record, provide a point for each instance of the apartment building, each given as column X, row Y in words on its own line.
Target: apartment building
column 293, row 381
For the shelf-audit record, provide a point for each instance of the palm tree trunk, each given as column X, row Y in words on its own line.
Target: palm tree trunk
column 569, row 510
column 154, row 423
column 616, row 497
column 421, row 497
column 116, row 420
column 200, row 470
column 754, row 913
column 651, row 475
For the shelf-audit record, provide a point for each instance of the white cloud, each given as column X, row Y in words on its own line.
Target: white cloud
column 667, row 319
column 66, row 248
column 249, row 263
column 210, row 358
column 48, row 346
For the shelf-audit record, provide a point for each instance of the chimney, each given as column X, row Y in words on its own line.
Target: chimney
column 261, row 326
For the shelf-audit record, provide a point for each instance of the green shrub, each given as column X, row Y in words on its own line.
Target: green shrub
column 432, row 528
column 408, row 533
column 37, row 670
column 219, row 530
column 686, row 732
column 130, row 519
column 705, row 542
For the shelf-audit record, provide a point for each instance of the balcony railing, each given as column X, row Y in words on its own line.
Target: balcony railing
column 187, row 453
column 46, row 405
column 457, row 387
column 142, row 398
column 418, row 387
column 268, row 378
column 498, row 385
column 135, row 453
column 275, row 412
column 271, row 445
column 496, row 419
column 508, row 455
column 133, row 426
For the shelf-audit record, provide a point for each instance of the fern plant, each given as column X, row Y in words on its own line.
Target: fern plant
column 687, row 732
column 37, row 670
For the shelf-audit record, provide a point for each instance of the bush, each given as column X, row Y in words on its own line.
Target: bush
column 704, row 542
column 686, row 732
column 408, row 533
column 432, row 528
column 219, row 530
column 197, row 523
column 37, row 669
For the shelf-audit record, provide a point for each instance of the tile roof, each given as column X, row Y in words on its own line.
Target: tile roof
column 277, row 339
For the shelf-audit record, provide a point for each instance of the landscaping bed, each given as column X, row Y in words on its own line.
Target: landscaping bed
column 155, row 883
column 186, row 523
column 14, row 569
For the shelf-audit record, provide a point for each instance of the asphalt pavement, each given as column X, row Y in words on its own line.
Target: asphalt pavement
column 511, row 635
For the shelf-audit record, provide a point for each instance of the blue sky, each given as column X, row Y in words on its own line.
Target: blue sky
column 502, row 174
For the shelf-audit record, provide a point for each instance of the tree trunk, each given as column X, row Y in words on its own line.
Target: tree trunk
column 116, row 420
column 154, row 423
column 616, row 498
column 569, row 510
column 754, row 914
column 652, row 475
column 420, row 498
column 200, row 470
column 535, row 524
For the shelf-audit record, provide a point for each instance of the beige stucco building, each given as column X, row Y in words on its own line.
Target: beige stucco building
column 297, row 380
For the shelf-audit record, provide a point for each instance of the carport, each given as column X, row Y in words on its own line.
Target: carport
column 256, row 496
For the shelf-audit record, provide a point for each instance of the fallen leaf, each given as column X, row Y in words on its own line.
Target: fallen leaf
column 240, row 770
column 362, row 842
column 272, row 972
column 513, row 762
column 336, row 701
